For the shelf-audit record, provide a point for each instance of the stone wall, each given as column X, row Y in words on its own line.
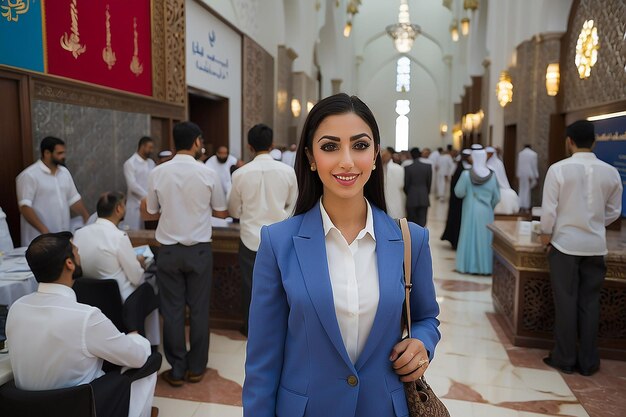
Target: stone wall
column 98, row 141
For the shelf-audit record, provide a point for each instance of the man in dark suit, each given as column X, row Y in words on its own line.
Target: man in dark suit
column 417, row 180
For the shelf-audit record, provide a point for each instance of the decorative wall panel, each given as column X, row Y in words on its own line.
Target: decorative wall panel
column 98, row 142
column 258, row 88
column 284, row 93
column 608, row 77
column 531, row 107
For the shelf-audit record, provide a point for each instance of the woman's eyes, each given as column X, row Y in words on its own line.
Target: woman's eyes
column 331, row 146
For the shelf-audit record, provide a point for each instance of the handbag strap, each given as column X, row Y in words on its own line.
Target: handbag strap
column 406, row 237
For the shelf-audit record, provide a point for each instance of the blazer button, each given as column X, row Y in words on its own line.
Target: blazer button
column 353, row 381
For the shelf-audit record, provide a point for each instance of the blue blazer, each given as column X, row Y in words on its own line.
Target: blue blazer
column 297, row 364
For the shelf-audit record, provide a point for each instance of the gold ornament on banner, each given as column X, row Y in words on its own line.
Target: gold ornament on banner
column 71, row 43
column 107, row 53
column 135, row 65
column 14, row 9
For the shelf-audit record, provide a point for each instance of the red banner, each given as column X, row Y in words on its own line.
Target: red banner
column 102, row 42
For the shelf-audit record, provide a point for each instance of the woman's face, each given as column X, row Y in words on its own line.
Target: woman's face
column 343, row 153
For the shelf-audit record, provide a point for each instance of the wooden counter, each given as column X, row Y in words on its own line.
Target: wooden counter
column 226, row 287
column 522, row 293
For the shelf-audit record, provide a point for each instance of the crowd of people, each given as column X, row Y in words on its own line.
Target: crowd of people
column 340, row 194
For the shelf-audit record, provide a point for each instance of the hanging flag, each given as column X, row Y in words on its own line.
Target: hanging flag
column 20, row 31
column 105, row 42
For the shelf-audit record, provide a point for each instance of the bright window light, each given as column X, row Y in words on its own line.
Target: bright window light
column 403, row 75
column 402, row 125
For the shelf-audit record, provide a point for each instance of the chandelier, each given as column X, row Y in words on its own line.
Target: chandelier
column 587, row 49
column 403, row 32
column 504, row 89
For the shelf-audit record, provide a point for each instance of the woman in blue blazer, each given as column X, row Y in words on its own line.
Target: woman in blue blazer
column 325, row 319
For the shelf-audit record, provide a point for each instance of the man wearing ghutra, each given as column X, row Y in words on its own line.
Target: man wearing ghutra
column 479, row 190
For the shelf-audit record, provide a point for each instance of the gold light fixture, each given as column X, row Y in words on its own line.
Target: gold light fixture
column 504, row 89
column 404, row 32
column 443, row 129
column 470, row 4
column 347, row 29
column 454, row 30
column 281, row 100
column 296, row 108
column 465, row 26
column 553, row 77
column 352, row 9
column 309, row 106
column 587, row 49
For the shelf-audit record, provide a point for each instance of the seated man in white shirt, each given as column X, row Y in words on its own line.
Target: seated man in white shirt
column 106, row 253
column 57, row 342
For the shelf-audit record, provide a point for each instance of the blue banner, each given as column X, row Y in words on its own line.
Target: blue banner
column 611, row 147
column 21, row 39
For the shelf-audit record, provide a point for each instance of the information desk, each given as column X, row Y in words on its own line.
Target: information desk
column 226, row 287
column 522, row 293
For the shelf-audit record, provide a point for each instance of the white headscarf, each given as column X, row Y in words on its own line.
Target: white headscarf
column 479, row 162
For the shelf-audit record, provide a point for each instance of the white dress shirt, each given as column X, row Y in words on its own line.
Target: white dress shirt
column 6, row 243
column 51, row 196
column 581, row 196
column 289, row 158
column 264, row 192
column 186, row 192
column 223, row 171
column 136, row 171
column 353, row 272
column 106, row 252
column 56, row 342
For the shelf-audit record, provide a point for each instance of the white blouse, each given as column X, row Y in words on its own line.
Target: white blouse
column 353, row 272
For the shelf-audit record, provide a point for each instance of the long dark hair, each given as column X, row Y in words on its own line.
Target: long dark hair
column 309, row 184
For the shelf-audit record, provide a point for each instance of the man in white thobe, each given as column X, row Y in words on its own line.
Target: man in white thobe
column 136, row 171
column 527, row 175
column 6, row 243
column 394, row 186
column 76, row 337
column 509, row 201
column 445, row 169
column 46, row 193
column 221, row 163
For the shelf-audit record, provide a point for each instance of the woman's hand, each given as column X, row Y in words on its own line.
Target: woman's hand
column 410, row 359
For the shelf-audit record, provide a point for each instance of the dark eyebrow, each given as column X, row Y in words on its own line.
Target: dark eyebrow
column 352, row 138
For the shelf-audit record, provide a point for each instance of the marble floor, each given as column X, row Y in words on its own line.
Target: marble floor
column 476, row 371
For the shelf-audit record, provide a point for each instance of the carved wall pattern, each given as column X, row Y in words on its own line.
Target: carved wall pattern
column 503, row 288
column 284, row 86
column 258, row 87
column 159, row 85
column 538, row 310
column 174, row 25
column 608, row 78
column 531, row 107
column 539, row 261
column 226, row 290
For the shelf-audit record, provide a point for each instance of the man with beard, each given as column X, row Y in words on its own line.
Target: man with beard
column 76, row 337
column 221, row 163
column 182, row 195
column 46, row 193
column 136, row 170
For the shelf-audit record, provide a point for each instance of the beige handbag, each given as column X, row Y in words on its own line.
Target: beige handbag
column 420, row 398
